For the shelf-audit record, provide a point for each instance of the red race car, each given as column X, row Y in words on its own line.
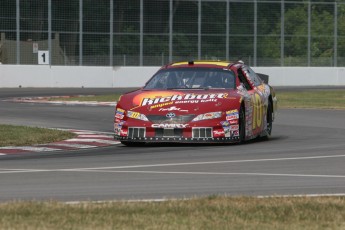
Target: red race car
column 197, row 102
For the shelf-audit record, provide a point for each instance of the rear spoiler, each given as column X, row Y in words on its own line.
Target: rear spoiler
column 263, row 77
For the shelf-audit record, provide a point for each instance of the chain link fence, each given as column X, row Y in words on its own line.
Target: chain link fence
column 156, row 32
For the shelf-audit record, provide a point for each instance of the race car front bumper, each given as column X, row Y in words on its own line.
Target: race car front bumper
column 188, row 135
column 179, row 140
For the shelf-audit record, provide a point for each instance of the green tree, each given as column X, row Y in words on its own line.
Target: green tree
column 296, row 32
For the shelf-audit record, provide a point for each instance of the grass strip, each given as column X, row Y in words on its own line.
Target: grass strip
column 99, row 98
column 22, row 135
column 214, row 212
column 320, row 99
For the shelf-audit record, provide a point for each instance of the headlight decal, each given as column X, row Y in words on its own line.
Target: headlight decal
column 207, row 116
column 136, row 115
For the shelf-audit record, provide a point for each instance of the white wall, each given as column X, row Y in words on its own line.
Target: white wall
column 304, row 76
column 102, row 77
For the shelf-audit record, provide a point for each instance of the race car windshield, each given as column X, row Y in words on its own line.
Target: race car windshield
column 192, row 78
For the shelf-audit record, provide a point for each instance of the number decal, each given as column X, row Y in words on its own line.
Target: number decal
column 44, row 57
column 257, row 111
column 133, row 114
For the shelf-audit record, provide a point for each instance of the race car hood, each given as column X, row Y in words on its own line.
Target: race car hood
column 180, row 101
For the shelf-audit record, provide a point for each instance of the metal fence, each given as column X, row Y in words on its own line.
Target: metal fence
column 155, row 32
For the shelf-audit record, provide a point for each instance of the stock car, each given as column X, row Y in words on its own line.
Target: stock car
column 197, row 102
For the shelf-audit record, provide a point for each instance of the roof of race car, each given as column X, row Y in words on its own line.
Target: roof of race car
column 210, row 64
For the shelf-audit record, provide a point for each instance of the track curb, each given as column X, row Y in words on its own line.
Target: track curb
column 85, row 139
column 46, row 100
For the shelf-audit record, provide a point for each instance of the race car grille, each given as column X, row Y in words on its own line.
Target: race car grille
column 202, row 132
column 136, row 132
column 159, row 132
column 158, row 119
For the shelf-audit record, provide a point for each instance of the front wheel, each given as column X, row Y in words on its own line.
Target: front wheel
column 269, row 119
column 242, row 123
column 132, row 144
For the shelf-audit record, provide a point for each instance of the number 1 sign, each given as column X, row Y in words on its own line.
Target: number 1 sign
column 43, row 57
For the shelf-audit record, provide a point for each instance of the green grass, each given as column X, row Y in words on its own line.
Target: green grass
column 22, row 135
column 99, row 98
column 321, row 99
column 201, row 213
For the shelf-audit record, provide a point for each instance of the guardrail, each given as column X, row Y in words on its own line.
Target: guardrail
column 12, row 76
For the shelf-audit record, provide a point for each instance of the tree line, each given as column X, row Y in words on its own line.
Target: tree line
column 156, row 27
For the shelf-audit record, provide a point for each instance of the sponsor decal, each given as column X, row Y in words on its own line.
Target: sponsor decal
column 170, row 115
column 137, row 100
column 232, row 112
column 185, row 102
column 218, row 133
column 209, row 100
column 120, row 111
column 233, row 122
column 235, row 133
column 119, row 116
column 184, row 98
column 232, row 117
column 208, row 115
column 171, row 126
column 225, row 123
column 234, row 127
column 173, row 108
column 226, row 127
column 123, row 133
column 118, row 127
column 132, row 114
column 227, row 131
column 161, row 105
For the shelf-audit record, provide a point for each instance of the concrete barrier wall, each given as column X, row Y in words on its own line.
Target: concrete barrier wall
column 304, row 76
column 108, row 77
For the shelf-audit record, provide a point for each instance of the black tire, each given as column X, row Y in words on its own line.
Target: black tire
column 132, row 144
column 269, row 118
column 242, row 123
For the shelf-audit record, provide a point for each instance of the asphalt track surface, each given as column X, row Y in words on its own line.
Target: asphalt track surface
column 306, row 155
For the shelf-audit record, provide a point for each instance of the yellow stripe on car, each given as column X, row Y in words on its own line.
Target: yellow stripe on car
column 219, row 63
